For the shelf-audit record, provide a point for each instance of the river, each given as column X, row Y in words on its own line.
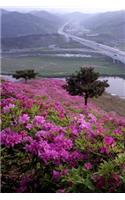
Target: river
column 117, row 86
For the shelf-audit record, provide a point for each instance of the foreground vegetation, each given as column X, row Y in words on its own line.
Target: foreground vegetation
column 53, row 143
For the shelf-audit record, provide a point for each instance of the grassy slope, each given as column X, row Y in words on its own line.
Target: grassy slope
column 111, row 103
column 16, row 24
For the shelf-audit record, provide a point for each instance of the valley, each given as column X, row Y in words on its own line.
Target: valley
column 62, row 49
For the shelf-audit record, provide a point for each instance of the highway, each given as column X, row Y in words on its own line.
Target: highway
column 115, row 54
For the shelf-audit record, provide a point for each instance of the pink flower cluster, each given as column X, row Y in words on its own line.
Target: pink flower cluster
column 38, row 121
column 8, row 108
column 108, row 140
column 10, row 138
column 60, row 133
column 23, row 119
column 56, row 149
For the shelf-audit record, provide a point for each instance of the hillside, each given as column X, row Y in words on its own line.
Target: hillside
column 109, row 23
column 15, row 24
column 52, row 143
column 110, row 26
column 32, row 41
column 53, row 18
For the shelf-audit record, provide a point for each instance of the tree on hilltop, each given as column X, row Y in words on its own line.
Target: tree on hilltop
column 85, row 83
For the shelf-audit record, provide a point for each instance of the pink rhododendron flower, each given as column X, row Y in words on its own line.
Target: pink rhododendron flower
column 27, row 139
column 61, row 141
column 29, row 126
column 56, row 175
column 88, row 166
column 10, row 138
column 7, row 108
column 92, row 118
column 82, row 123
column 47, row 126
column 23, row 119
column 75, row 131
column 117, row 131
column 23, row 133
column 38, row 121
column 23, row 184
column 103, row 150
column 115, row 180
column 43, row 134
column 108, row 140
column 99, row 181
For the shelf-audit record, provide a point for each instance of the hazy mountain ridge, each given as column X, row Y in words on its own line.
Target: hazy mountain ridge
column 40, row 25
column 53, row 18
column 15, row 24
column 112, row 23
column 76, row 16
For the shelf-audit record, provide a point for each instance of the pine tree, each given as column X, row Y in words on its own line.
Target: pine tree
column 26, row 74
column 85, row 83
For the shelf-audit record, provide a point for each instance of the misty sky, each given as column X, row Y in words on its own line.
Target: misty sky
column 68, row 5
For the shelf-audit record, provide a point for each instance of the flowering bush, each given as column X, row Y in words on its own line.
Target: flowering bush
column 50, row 141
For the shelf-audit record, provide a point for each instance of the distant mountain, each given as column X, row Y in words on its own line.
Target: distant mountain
column 77, row 16
column 108, row 23
column 47, row 16
column 40, row 28
column 2, row 11
column 14, row 24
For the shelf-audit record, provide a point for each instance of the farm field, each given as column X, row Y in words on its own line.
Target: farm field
column 53, row 65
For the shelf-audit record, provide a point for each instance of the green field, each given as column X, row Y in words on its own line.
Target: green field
column 59, row 66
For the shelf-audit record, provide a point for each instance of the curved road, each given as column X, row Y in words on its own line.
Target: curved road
column 115, row 54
